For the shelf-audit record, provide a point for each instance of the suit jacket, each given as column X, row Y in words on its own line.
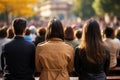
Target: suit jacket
column 54, row 59
column 18, row 56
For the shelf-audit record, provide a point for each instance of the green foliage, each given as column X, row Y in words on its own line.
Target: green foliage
column 83, row 8
column 98, row 7
column 107, row 6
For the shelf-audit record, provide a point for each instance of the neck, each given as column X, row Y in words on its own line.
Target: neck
column 20, row 35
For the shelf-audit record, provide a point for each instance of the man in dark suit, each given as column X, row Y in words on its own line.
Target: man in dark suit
column 18, row 55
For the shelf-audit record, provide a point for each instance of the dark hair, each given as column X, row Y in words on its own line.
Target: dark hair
column 3, row 32
column 109, row 32
column 55, row 29
column 10, row 33
column 69, row 34
column 19, row 25
column 42, row 31
column 27, row 32
column 79, row 34
column 91, row 38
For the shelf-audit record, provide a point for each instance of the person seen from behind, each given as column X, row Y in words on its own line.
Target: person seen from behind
column 92, row 57
column 69, row 37
column 18, row 56
column 27, row 36
column 10, row 33
column 113, row 44
column 3, row 41
column 54, row 58
column 40, row 36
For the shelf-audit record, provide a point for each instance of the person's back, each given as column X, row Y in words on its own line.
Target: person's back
column 69, row 37
column 114, row 51
column 58, row 62
column 113, row 45
column 89, row 70
column 19, row 55
column 54, row 58
column 3, row 41
column 19, row 59
column 92, row 57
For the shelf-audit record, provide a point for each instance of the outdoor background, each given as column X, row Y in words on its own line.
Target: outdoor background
column 69, row 12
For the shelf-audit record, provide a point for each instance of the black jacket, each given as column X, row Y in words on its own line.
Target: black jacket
column 87, row 70
column 18, row 59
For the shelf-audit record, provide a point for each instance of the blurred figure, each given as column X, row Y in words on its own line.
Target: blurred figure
column 3, row 41
column 54, row 58
column 92, row 56
column 117, row 33
column 10, row 33
column 18, row 56
column 33, row 32
column 112, row 44
column 117, row 36
column 69, row 37
column 27, row 36
column 78, row 36
column 41, row 36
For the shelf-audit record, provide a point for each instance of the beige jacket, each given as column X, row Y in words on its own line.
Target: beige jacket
column 54, row 59
column 114, row 47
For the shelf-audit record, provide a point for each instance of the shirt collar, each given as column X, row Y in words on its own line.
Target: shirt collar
column 19, row 37
column 55, row 39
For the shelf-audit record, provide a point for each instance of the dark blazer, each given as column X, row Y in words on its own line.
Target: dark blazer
column 18, row 59
column 87, row 70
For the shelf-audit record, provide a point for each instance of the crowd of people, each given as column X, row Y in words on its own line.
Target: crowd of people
column 58, row 52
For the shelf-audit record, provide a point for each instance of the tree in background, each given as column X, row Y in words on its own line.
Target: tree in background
column 83, row 8
column 17, row 8
column 89, row 8
column 111, row 7
column 98, row 7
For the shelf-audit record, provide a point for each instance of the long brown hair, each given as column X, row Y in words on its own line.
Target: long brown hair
column 92, row 42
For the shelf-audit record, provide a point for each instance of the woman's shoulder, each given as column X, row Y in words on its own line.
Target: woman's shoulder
column 79, row 50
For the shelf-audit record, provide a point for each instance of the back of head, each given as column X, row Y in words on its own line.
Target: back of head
column 109, row 32
column 91, row 31
column 32, row 29
column 3, row 32
column 69, row 33
column 10, row 33
column 79, row 34
column 91, row 38
column 42, row 31
column 55, row 29
column 19, row 26
column 27, row 31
